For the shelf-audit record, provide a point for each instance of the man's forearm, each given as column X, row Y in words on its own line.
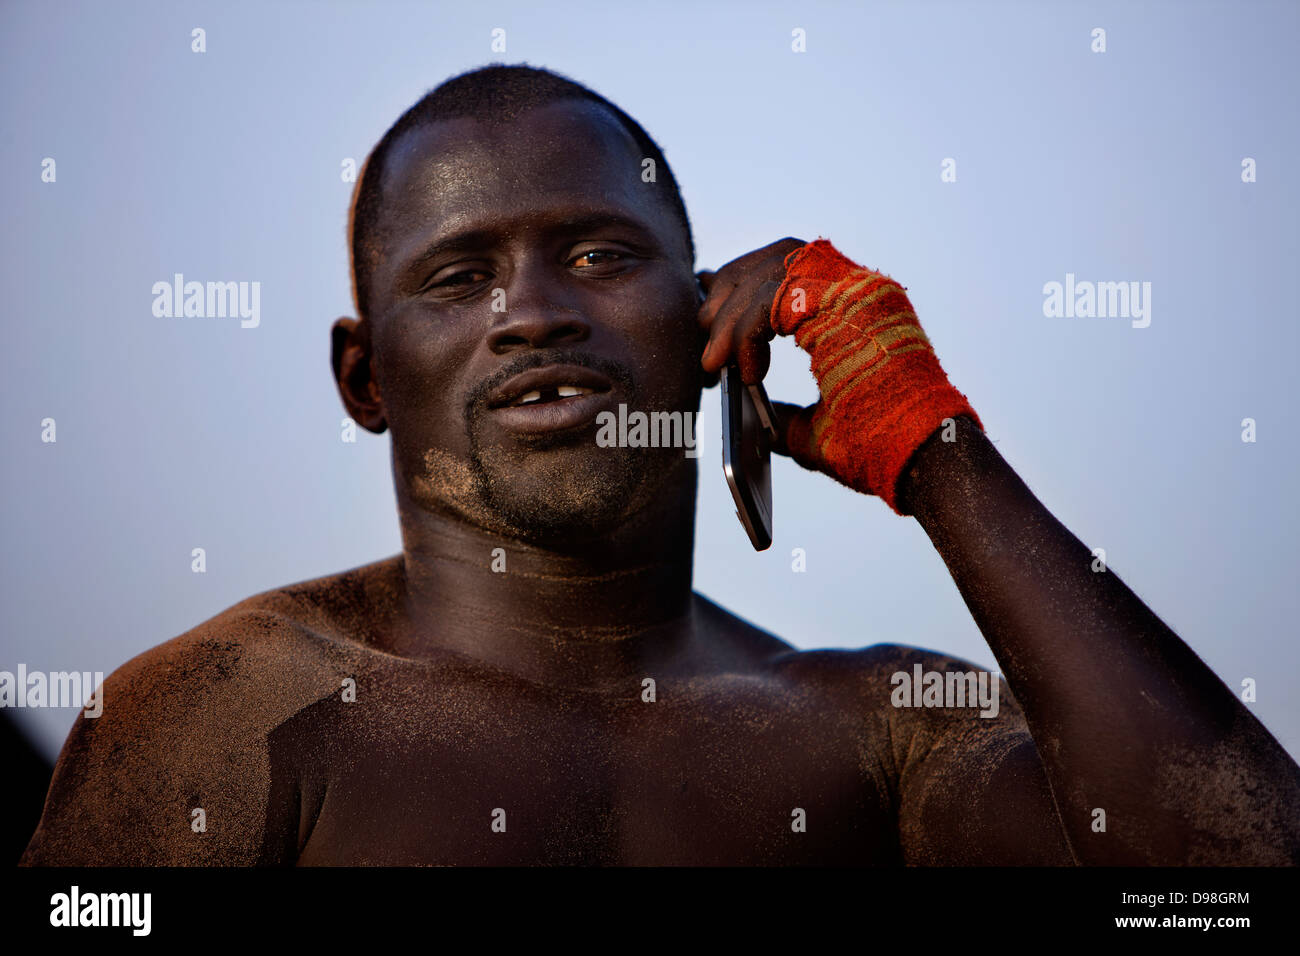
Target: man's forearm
column 1126, row 718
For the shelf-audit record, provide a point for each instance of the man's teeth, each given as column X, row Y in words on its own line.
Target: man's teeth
column 561, row 391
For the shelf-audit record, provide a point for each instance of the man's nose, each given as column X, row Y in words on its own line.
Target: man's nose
column 536, row 319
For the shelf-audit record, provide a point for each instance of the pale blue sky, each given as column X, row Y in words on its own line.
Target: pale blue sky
column 1118, row 166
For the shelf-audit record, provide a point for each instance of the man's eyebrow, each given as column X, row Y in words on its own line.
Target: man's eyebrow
column 597, row 220
column 477, row 238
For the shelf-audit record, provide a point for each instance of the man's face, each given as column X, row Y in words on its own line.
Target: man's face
column 494, row 411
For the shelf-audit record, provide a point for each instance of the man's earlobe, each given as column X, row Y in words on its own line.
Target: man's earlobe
column 352, row 358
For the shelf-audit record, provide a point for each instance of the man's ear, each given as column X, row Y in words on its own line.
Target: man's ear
column 353, row 359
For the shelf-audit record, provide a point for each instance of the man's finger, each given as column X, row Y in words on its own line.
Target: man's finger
column 718, row 351
column 753, row 357
column 716, row 297
column 794, row 433
column 767, row 293
column 753, row 333
column 720, row 315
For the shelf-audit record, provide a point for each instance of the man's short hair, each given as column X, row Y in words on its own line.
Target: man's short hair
column 496, row 93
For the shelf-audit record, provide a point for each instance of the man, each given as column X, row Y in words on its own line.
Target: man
column 532, row 679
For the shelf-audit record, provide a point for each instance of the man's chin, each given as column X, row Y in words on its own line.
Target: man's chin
column 565, row 495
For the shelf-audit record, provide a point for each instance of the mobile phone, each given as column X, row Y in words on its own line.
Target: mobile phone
column 748, row 430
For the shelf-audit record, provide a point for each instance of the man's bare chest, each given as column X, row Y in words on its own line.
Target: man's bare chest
column 726, row 771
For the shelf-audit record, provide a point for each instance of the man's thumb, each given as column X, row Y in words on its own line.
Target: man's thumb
column 794, row 433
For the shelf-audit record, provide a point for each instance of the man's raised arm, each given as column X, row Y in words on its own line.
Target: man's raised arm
column 1127, row 720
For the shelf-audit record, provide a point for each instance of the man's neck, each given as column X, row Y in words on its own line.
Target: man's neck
column 595, row 615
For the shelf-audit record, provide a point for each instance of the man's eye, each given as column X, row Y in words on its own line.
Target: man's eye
column 598, row 257
column 464, row 277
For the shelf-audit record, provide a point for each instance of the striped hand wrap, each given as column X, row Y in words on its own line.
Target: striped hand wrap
column 883, row 392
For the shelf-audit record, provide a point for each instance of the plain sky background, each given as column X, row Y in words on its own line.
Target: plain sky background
column 1116, row 166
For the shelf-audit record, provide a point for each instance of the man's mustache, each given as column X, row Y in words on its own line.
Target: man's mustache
column 476, row 401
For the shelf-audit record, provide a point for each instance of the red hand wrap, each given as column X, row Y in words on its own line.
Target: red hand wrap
column 883, row 392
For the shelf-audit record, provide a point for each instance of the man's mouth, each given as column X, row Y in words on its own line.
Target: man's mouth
column 551, row 398
column 549, row 383
column 551, row 394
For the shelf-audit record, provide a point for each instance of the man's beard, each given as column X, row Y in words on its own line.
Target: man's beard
column 563, row 488
column 566, row 495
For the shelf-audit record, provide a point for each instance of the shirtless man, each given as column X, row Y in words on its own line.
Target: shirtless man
column 434, row 709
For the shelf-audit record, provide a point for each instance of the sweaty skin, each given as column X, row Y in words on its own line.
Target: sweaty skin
column 482, row 697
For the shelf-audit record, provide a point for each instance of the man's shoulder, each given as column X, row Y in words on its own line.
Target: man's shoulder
column 854, row 670
column 185, row 727
column 348, row 607
column 909, row 687
column 877, row 661
column 292, row 643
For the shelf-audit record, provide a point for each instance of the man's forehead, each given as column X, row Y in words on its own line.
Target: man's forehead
column 570, row 147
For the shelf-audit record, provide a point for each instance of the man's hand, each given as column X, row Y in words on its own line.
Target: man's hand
column 738, row 311
column 883, row 390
